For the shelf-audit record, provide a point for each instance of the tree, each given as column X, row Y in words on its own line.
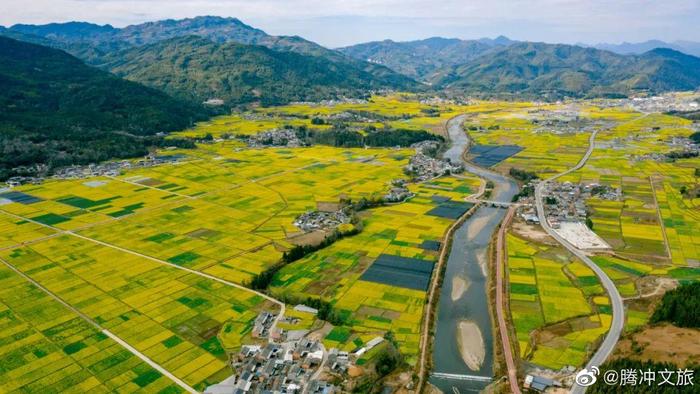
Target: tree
column 680, row 306
column 522, row 175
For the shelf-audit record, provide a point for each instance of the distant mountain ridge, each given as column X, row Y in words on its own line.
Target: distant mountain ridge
column 626, row 48
column 567, row 70
column 503, row 66
column 489, row 67
column 420, row 59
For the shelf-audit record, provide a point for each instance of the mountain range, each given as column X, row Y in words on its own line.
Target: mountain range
column 536, row 69
column 102, row 45
column 194, row 68
column 506, row 67
column 420, row 59
column 205, row 57
column 627, row 48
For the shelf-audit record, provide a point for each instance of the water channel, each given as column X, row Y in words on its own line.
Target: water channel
column 463, row 341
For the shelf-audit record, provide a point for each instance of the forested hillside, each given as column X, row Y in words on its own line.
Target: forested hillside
column 567, row 70
column 55, row 110
column 423, row 58
column 197, row 69
column 680, row 306
column 99, row 44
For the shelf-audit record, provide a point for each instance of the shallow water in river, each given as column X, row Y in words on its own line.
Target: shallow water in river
column 470, row 242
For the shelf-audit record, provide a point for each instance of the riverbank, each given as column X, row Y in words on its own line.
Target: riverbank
column 462, row 351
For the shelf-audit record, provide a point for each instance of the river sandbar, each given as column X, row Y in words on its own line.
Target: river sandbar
column 459, row 286
column 471, row 344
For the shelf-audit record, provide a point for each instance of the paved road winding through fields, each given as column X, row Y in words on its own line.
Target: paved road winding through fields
column 618, row 311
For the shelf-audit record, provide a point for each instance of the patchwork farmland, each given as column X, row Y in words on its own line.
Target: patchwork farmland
column 552, row 333
column 164, row 257
column 147, row 255
column 651, row 228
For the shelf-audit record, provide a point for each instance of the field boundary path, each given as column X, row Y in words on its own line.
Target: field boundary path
column 652, row 180
column 500, row 304
column 93, row 323
column 618, row 309
column 59, row 231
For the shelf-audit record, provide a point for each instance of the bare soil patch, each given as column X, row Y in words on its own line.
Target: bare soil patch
column 313, row 238
column 532, row 233
column 665, row 343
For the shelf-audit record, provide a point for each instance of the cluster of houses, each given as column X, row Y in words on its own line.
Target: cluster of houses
column 682, row 148
column 320, row 220
column 263, row 324
column 565, row 126
column 331, row 103
column 277, row 137
column 422, row 166
column 287, row 361
column 287, row 367
column 398, row 192
column 664, row 103
column 111, row 168
column 566, row 202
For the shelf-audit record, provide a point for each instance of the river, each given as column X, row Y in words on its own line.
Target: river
column 463, row 310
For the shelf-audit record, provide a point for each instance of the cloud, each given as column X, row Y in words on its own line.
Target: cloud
column 340, row 21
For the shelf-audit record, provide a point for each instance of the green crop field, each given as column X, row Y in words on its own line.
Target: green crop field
column 552, row 332
column 372, row 308
column 45, row 347
column 653, row 229
column 111, row 248
column 143, row 254
column 147, row 304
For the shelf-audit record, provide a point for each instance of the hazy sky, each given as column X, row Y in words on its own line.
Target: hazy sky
column 343, row 22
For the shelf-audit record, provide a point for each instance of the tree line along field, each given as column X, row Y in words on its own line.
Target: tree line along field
column 369, row 308
column 111, row 247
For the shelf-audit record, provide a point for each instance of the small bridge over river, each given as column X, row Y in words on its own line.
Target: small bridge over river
column 453, row 376
column 494, row 204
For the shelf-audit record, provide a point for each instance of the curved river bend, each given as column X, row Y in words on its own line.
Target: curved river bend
column 463, row 310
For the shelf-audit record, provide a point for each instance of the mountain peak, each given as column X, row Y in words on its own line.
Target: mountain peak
column 667, row 52
column 71, row 31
